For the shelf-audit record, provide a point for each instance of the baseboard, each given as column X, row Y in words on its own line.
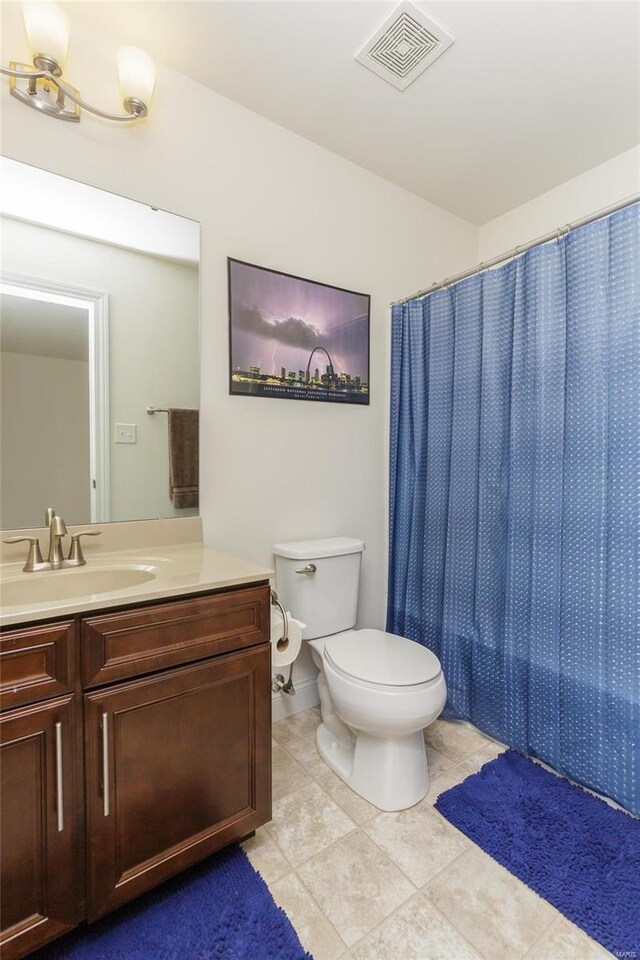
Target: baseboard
column 284, row 705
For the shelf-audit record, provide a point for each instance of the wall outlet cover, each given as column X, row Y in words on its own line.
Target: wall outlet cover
column 126, row 433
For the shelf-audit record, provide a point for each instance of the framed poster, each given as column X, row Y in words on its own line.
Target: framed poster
column 296, row 339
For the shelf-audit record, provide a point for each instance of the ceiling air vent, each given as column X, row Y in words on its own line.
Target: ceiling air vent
column 404, row 46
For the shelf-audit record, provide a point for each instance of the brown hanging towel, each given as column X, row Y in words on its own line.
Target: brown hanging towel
column 183, row 457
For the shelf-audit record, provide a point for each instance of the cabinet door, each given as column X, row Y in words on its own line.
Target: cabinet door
column 41, row 893
column 177, row 766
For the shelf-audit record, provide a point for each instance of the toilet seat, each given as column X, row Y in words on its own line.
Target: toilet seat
column 379, row 659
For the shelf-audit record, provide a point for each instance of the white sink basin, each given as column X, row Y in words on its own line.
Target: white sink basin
column 69, row 585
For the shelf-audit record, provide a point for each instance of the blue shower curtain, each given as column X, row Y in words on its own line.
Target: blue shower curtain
column 515, row 499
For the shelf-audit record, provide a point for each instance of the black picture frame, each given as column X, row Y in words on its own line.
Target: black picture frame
column 258, row 327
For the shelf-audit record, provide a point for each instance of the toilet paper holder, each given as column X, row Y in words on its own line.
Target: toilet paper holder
column 278, row 682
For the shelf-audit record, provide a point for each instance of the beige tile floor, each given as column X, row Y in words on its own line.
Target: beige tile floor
column 360, row 884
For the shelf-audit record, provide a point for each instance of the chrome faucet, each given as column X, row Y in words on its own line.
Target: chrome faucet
column 55, row 558
column 34, row 559
column 57, row 531
column 76, row 556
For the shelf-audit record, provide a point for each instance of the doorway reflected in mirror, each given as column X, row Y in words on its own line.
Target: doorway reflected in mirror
column 99, row 307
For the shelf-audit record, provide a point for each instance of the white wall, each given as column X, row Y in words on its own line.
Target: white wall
column 45, row 439
column 270, row 469
column 592, row 191
column 153, row 350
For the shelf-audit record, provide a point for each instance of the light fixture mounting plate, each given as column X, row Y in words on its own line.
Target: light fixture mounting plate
column 136, row 108
column 43, row 95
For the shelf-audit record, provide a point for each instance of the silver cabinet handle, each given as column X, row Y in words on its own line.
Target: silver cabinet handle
column 59, row 782
column 310, row 568
column 105, row 764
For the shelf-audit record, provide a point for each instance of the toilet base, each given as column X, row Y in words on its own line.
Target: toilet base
column 389, row 772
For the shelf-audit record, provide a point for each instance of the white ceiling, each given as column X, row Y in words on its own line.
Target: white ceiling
column 37, row 196
column 43, row 329
column 531, row 93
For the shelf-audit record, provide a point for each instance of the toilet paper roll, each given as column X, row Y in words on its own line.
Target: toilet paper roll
column 284, row 652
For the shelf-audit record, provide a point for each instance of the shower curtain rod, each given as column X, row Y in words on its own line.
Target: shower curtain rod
column 522, row 248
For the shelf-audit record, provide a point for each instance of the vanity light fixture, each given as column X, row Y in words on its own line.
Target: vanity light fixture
column 41, row 86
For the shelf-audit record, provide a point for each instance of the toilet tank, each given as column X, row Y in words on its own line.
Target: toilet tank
column 325, row 599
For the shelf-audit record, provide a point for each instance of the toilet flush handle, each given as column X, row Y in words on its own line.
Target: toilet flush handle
column 310, row 568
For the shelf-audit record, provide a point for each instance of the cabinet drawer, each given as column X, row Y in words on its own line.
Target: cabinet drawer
column 126, row 644
column 36, row 663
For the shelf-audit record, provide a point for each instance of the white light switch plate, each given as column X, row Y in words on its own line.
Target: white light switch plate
column 126, row 433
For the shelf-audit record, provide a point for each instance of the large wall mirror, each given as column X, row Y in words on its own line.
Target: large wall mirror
column 99, row 321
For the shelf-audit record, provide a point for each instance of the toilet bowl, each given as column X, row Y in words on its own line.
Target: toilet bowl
column 378, row 692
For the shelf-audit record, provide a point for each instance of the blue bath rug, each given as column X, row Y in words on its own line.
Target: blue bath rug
column 220, row 909
column 574, row 850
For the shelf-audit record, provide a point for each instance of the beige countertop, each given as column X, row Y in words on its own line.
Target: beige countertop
column 165, row 571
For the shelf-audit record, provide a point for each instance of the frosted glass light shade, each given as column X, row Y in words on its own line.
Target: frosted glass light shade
column 47, row 29
column 137, row 74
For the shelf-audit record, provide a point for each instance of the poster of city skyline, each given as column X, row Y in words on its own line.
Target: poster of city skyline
column 296, row 339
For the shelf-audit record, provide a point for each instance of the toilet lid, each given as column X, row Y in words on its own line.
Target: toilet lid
column 372, row 656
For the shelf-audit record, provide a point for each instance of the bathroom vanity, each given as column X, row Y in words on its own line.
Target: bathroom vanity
column 134, row 690
column 136, row 737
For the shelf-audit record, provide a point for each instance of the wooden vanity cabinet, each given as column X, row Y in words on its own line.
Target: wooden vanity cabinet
column 36, row 663
column 171, row 730
column 176, row 767
column 41, row 891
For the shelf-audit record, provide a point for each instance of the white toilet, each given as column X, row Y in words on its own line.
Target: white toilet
column 377, row 691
